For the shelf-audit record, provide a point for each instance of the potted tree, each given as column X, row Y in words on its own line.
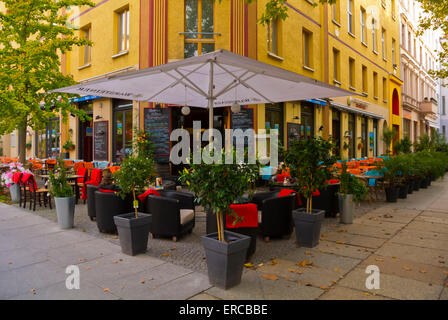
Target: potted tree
column 388, row 136
column 309, row 161
column 217, row 186
column 135, row 174
column 63, row 195
column 392, row 176
column 351, row 190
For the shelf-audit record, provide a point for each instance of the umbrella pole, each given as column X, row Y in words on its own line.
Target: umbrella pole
column 210, row 106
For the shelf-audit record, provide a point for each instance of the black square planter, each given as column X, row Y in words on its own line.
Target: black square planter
column 308, row 226
column 133, row 232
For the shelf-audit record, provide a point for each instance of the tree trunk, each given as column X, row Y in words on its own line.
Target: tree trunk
column 22, row 143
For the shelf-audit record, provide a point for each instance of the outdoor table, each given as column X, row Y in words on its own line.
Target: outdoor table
column 71, row 178
column 277, row 185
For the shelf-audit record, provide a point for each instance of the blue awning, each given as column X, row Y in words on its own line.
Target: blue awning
column 315, row 101
column 85, row 98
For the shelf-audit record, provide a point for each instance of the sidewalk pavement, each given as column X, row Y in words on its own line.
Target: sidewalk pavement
column 407, row 241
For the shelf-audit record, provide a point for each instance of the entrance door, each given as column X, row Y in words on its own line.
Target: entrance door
column 85, row 134
column 122, row 130
column 307, row 120
column 352, row 134
column 336, row 133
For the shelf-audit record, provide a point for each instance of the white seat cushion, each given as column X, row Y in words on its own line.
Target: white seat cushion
column 186, row 215
column 259, row 216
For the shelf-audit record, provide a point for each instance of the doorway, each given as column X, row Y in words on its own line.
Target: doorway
column 85, row 134
column 122, row 130
column 336, row 132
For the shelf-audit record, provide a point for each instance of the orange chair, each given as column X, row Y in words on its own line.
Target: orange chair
column 77, row 165
column 114, row 169
column 68, row 163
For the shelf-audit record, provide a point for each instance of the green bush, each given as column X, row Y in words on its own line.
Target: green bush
column 351, row 185
column 59, row 186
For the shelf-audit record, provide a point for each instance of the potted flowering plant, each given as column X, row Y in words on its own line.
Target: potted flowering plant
column 64, row 198
column 217, row 186
column 310, row 162
column 7, row 180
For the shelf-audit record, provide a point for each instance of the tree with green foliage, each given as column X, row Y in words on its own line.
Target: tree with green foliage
column 34, row 34
column 435, row 18
column 388, row 136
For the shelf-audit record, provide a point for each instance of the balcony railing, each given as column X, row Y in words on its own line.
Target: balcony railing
column 429, row 106
column 409, row 101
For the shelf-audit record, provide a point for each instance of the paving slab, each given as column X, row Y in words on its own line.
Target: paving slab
column 36, row 276
column 355, row 240
column 370, row 231
column 432, row 257
column 22, row 221
column 203, row 297
column 115, row 267
column 427, row 226
column 410, row 239
column 21, row 257
column 444, row 294
column 407, row 269
column 143, row 284
column 343, row 250
column 342, row 293
column 59, row 291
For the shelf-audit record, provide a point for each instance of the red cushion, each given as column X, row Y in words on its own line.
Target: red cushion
column 107, row 190
column 248, row 214
column 16, row 177
column 334, row 181
column 81, row 172
column 287, row 192
column 315, row 192
column 281, row 177
column 143, row 196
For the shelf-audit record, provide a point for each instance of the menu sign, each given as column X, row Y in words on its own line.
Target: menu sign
column 244, row 119
column 293, row 132
column 157, row 124
column 100, row 140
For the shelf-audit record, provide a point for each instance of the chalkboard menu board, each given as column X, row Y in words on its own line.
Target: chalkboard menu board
column 157, row 124
column 101, row 140
column 244, row 119
column 293, row 132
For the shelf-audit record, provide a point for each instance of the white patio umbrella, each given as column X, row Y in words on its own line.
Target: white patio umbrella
column 216, row 79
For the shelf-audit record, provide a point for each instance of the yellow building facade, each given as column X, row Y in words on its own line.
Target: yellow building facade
column 353, row 44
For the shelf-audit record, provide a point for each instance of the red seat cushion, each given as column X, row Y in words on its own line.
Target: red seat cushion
column 16, row 177
column 143, row 196
column 107, row 190
column 287, row 192
column 248, row 214
column 281, row 177
column 333, row 181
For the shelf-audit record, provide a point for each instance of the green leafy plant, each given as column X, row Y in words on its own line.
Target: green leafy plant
column 349, row 184
column 388, row 136
column 68, row 145
column 424, row 143
column 143, row 146
column 392, row 169
column 310, row 163
column 59, row 186
column 217, row 186
column 28, row 145
column 135, row 174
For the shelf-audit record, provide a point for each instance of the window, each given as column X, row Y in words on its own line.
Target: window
column 335, row 9
column 363, row 26
column 336, row 65
column 444, row 131
column 86, row 34
column 364, row 80
column 350, row 16
column 373, row 35
column 383, row 43
column 384, row 90
column 199, row 27
column 393, row 53
column 409, row 41
column 443, row 106
column 123, row 31
column 351, row 73
column 307, row 48
column 273, row 36
column 375, row 85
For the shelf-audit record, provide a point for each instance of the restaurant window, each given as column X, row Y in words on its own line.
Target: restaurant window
column 307, row 120
column 48, row 140
column 364, row 137
column 307, row 48
column 375, row 137
column 199, row 27
column 363, row 26
column 351, row 73
column 350, row 16
column 273, row 36
column 86, row 34
column 274, row 119
column 123, row 30
column 122, row 130
column 352, row 136
column 336, row 65
column 336, row 132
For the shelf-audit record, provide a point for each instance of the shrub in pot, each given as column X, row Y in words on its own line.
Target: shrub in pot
column 64, row 198
column 392, row 171
column 309, row 161
column 351, row 190
column 217, row 186
column 135, row 174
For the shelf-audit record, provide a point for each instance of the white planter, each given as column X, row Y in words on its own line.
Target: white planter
column 65, row 209
column 14, row 190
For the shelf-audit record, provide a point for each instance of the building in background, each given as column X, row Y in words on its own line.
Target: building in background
column 443, row 116
column 420, row 92
column 353, row 44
